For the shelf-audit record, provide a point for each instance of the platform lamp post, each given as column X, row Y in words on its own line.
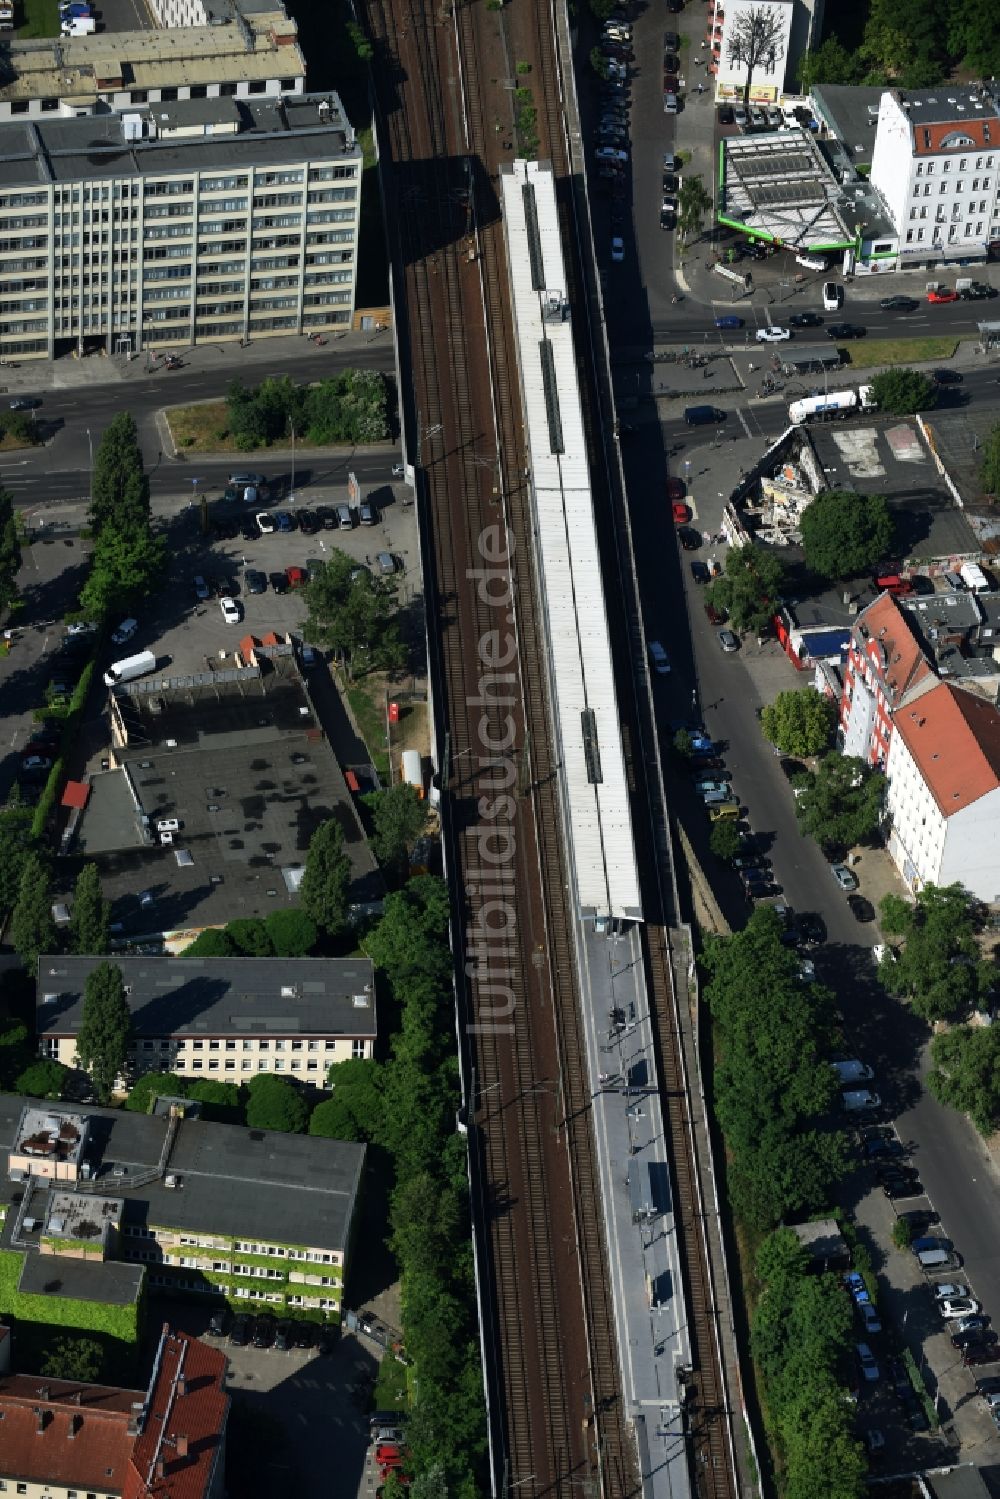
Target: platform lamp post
column 90, row 472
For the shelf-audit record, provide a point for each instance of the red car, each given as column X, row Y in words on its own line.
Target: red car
column 942, row 296
column 682, row 512
column 296, row 576
column 388, row 1456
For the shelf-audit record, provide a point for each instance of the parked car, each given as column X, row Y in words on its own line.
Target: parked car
column 327, row 517
column 278, row 582
column 846, row 878
column 255, row 581
column 266, row 523
column 239, row 1333
column 700, row 572
column 957, row 1306
column 303, row 1334
column 863, row 909
column 201, row 589
column 948, row 1290
column 263, row 1331
column 942, row 294
column 729, row 641
column 308, row 522
column 867, row 1362
column 981, row 1353
column 659, row 658
column 125, row 631
column 284, row 520
column 869, row 1317
column 231, row 612
column 283, row 1337
column 217, row 1321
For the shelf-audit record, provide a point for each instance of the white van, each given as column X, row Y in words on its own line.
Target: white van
column 670, row 104
column 131, row 666
column 833, row 295
column 79, row 26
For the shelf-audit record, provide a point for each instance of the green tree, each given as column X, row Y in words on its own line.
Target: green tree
column 938, row 967
column 989, row 468
column 844, row 535
column 292, row 933
column 902, row 1233
column 124, row 566
column 973, row 37
column 249, row 936
column 15, row 846
column 350, row 407
column 355, row 614
column 42, row 1079
column 800, row 722
column 274, row 1103
column 724, row 840
column 841, row 803
column 355, row 1111
column 326, row 881
column 105, row 1028
column 212, row 942
column 966, row 1074
column 153, row 1085
column 220, row 1101
column 10, row 550
column 32, row 929
column 79, row 1360
column 904, row 41
column 90, row 923
column 119, row 488
column 399, row 816
column 902, row 391
column 693, row 202
column 830, row 63
column 599, row 62
column 749, row 589
column 411, row 941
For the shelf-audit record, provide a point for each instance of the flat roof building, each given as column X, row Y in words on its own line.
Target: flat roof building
column 241, row 53
column 217, row 1208
column 205, row 219
column 222, row 1018
column 236, row 757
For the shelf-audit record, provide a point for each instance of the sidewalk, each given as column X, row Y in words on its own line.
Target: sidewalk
column 257, row 360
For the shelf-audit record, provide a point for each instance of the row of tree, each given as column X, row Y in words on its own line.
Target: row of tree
column 773, row 1082
column 801, row 1342
column 351, row 407
column 33, row 928
column 910, row 44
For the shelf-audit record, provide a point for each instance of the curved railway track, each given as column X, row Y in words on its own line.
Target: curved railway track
column 444, row 103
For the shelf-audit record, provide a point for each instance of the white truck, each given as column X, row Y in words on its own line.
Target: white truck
column 832, row 405
column 131, row 666
column 974, row 578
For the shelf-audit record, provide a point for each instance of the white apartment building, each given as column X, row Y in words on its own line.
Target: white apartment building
column 222, row 1018
column 943, row 799
column 936, row 163
column 204, row 219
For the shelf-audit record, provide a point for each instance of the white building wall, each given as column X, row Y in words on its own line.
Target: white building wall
column 892, row 157
column 972, row 848
column 918, row 827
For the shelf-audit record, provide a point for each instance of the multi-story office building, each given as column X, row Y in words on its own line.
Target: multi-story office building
column 886, row 668
column 221, row 1018
column 247, row 54
column 204, row 219
column 249, row 1214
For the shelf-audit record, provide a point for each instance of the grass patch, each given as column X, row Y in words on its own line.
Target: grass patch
column 204, row 428
column 392, row 1389
column 39, row 18
column 880, row 353
column 9, row 443
column 367, row 700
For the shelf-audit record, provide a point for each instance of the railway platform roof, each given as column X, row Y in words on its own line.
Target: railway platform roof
column 581, row 668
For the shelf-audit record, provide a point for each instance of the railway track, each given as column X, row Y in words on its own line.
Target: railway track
column 558, row 1419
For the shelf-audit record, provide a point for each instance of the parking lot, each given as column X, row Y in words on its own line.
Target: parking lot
column 302, row 1414
column 185, row 632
